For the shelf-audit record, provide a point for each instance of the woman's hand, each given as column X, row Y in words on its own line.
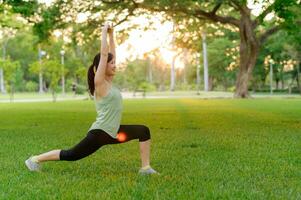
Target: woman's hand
column 104, row 44
column 111, row 39
column 110, row 29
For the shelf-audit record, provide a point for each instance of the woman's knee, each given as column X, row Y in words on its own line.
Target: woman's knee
column 145, row 134
column 70, row 155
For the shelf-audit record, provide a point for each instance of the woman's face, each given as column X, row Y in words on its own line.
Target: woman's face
column 111, row 68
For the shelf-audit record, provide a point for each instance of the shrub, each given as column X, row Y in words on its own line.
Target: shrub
column 31, row 86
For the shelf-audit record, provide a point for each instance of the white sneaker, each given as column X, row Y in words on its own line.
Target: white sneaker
column 147, row 171
column 32, row 165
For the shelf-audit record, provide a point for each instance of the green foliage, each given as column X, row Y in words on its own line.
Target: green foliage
column 53, row 73
column 21, row 48
column 81, row 74
column 219, row 62
column 280, row 46
column 31, row 86
column 284, row 10
column 81, row 89
column 147, row 87
column 9, row 68
column 50, row 20
column 20, row 82
column 135, row 73
column 26, row 8
column 36, row 67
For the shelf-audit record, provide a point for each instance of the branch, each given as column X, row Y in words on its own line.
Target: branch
column 201, row 14
column 131, row 10
column 269, row 32
column 236, row 5
column 131, row 13
column 216, row 8
column 112, row 2
column 216, row 18
column 260, row 17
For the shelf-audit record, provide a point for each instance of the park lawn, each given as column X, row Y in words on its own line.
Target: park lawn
column 204, row 149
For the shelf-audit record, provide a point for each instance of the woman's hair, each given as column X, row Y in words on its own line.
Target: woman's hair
column 92, row 70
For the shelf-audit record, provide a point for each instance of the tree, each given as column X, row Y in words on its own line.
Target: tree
column 281, row 47
column 8, row 26
column 53, row 72
column 253, row 31
column 21, row 48
column 219, row 69
column 136, row 73
column 10, row 69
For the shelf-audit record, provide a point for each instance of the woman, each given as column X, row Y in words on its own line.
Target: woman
column 106, row 129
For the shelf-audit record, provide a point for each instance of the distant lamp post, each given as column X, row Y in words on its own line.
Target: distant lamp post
column 205, row 58
column 2, row 86
column 41, row 54
column 198, row 77
column 63, row 69
column 271, row 75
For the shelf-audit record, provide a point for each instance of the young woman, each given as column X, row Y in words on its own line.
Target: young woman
column 106, row 129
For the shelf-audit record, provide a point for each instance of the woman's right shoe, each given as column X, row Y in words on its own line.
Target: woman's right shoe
column 148, row 170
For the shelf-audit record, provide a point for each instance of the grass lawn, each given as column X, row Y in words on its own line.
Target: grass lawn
column 204, row 149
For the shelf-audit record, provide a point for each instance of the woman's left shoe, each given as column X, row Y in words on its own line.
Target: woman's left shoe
column 32, row 165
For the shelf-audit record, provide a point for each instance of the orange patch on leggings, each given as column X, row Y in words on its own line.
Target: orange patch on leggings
column 121, row 137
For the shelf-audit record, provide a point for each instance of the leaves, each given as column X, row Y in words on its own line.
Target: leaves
column 53, row 72
column 9, row 68
column 26, row 8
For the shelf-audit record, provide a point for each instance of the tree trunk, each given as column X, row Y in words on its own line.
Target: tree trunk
column 210, row 83
column 282, row 83
column 298, row 83
column 249, row 48
column 12, row 91
column 225, row 84
column 53, row 95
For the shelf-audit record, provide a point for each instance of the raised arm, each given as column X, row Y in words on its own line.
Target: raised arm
column 112, row 41
column 99, row 79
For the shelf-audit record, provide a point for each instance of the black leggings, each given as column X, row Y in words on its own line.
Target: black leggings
column 98, row 138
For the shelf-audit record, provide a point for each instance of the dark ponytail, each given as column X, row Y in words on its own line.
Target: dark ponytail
column 91, row 73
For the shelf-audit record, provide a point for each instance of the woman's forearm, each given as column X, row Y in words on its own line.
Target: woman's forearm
column 104, row 43
column 112, row 45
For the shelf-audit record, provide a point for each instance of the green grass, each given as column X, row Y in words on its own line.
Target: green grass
column 204, row 149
